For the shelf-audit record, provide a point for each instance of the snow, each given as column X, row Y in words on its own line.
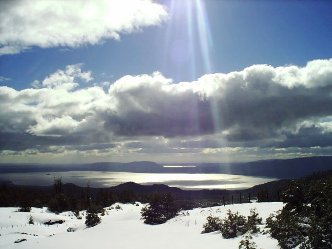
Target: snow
column 124, row 229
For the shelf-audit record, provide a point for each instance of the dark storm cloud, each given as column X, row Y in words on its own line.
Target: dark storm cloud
column 177, row 120
column 24, row 141
column 307, row 137
column 257, row 103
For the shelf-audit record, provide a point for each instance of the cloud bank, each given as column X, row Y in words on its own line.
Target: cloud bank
column 256, row 109
column 25, row 24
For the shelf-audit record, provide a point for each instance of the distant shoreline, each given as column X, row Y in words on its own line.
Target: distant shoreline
column 274, row 168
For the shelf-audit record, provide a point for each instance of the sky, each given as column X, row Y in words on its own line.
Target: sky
column 168, row 81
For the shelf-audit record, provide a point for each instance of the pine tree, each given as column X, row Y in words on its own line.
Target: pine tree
column 31, row 221
column 92, row 219
column 160, row 209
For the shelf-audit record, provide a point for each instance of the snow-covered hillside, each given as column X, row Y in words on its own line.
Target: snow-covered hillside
column 123, row 229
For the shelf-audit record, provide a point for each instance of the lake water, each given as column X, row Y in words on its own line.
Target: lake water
column 107, row 179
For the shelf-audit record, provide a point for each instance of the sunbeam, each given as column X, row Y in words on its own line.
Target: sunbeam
column 188, row 40
column 204, row 34
column 188, row 46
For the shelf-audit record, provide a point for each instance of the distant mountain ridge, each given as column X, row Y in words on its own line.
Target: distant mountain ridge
column 280, row 168
column 275, row 168
column 273, row 188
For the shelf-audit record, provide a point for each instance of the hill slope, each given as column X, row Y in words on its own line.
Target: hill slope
column 123, row 229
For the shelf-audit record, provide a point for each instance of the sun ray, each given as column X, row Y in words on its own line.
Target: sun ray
column 205, row 38
column 191, row 17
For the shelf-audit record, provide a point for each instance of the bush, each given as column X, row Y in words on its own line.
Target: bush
column 233, row 225
column 213, row 224
column 246, row 243
column 285, row 228
column 252, row 221
column 24, row 209
column 306, row 219
column 92, row 219
column 160, row 209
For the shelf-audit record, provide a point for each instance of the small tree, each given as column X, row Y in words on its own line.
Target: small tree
column 233, row 225
column 160, row 209
column 92, row 219
column 31, row 221
column 294, row 197
column 246, row 243
column 252, row 221
column 213, row 224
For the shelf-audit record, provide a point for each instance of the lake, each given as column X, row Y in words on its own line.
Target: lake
column 108, row 179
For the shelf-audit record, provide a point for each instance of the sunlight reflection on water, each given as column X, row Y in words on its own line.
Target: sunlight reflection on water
column 107, row 179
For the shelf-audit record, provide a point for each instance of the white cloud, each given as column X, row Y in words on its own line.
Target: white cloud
column 49, row 127
column 326, row 127
column 316, row 73
column 10, row 49
column 217, row 114
column 24, row 23
column 66, row 78
column 227, row 150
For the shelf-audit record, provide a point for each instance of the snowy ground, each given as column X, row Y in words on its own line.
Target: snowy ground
column 123, row 229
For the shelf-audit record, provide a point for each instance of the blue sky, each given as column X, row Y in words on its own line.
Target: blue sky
column 101, row 81
column 243, row 34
